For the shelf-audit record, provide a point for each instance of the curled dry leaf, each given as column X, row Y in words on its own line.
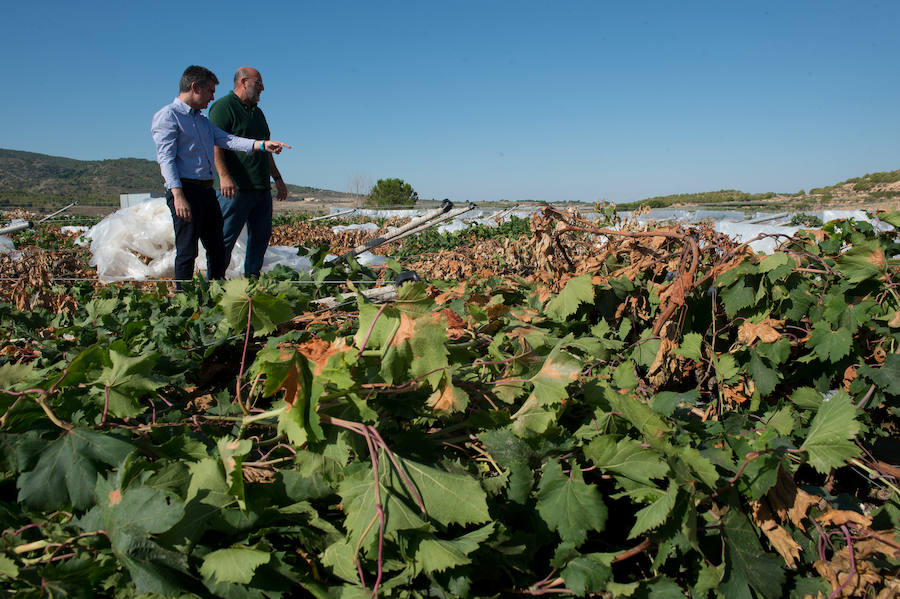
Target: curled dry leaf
column 766, row 331
column 839, row 517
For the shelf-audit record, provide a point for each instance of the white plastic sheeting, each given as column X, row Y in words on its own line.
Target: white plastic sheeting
column 745, row 231
column 368, row 227
column 6, row 245
column 138, row 243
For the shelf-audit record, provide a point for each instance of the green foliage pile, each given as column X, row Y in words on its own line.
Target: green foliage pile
column 477, row 439
column 392, row 192
column 431, row 241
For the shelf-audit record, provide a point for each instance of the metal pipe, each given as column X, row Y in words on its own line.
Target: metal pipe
column 446, row 206
column 450, row 215
column 16, row 226
column 327, row 216
column 61, row 210
column 378, row 294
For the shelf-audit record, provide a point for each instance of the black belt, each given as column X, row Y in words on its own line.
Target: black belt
column 205, row 183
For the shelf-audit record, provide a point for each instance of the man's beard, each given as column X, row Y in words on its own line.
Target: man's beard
column 253, row 99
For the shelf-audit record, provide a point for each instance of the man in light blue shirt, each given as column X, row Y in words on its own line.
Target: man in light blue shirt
column 184, row 150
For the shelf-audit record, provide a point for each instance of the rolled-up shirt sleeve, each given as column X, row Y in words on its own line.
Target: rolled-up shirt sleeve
column 232, row 142
column 165, row 134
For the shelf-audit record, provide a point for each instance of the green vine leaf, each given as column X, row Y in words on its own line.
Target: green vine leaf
column 577, row 291
column 265, row 314
column 829, row 441
column 568, row 505
column 67, row 469
column 828, row 345
column 437, row 555
column 234, row 564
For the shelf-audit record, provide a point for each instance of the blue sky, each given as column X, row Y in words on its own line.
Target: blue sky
column 484, row 100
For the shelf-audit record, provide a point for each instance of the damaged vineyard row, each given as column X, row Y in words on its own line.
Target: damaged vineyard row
column 561, row 406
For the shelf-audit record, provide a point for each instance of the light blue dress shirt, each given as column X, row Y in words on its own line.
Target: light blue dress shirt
column 184, row 143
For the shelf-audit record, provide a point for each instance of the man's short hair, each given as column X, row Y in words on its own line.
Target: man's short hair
column 199, row 75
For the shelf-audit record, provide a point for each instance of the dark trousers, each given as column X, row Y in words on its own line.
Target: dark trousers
column 205, row 226
column 254, row 208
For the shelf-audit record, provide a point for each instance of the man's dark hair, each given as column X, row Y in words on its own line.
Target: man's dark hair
column 199, row 75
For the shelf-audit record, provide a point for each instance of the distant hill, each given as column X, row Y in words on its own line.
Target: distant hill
column 869, row 190
column 32, row 180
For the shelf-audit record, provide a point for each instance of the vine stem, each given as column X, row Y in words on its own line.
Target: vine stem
column 837, row 592
column 371, row 328
column 240, row 377
column 865, row 398
column 379, row 510
column 105, row 405
column 42, row 395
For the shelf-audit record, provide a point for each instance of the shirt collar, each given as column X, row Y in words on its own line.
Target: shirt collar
column 182, row 107
column 237, row 98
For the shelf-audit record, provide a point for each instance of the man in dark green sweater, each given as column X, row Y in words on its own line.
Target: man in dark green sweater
column 245, row 191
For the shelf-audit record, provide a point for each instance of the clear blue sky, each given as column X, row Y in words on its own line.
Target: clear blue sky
column 483, row 100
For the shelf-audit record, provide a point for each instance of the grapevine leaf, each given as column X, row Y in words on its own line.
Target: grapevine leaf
column 887, row 376
column 587, row 574
column 862, row 261
column 736, row 298
column 829, row 345
column 532, row 419
column 559, row 369
column 576, row 292
column 624, row 376
column 66, row 472
column 726, row 367
column 891, row 217
column 641, row 416
column 377, row 326
column 340, row 557
column 656, row 513
column 806, row 398
column 235, row 564
column 129, row 516
column 521, row 481
column 764, row 378
column 747, row 564
column 358, row 494
column 232, row 452
column 300, row 421
column 265, row 311
column 700, row 465
column 505, row 447
column 125, row 381
column 429, row 347
column 691, row 347
column 665, row 402
column 8, row 568
column 449, row 497
column 647, row 349
column 568, row 505
column 626, row 458
column 436, row 555
column 773, row 261
column 448, row 398
column 829, row 442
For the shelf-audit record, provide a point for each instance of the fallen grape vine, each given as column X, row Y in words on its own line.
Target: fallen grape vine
column 589, row 409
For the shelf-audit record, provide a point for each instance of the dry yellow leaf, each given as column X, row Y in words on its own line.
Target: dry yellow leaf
column 839, row 517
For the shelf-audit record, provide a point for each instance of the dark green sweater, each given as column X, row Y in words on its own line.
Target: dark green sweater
column 249, row 171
